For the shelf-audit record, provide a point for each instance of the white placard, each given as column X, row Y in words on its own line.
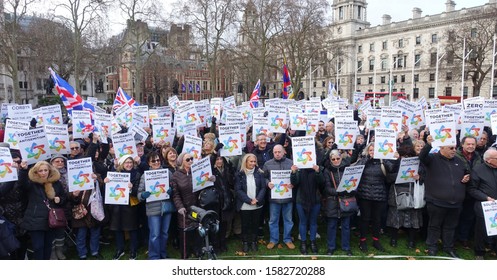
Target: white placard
column 350, row 178
column 304, row 151
column 472, row 125
column 373, row 119
column 188, row 114
column 281, row 181
column 157, row 183
column 33, row 145
column 442, row 129
column 407, row 170
column 8, row 173
column 162, row 131
column 58, row 138
column 117, row 190
column 124, row 115
column 11, row 129
column 201, row 172
column 140, row 115
column 20, row 112
column 259, row 126
column 297, row 119
column 124, row 145
column 391, row 119
column 229, row 136
column 52, row 115
column 103, row 123
column 312, row 123
column 490, row 216
column 81, row 124
column 79, row 173
column 385, row 143
column 139, row 133
column 193, row 146
column 346, row 133
column 277, row 119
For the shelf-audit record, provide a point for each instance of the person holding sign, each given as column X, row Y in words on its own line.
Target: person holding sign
column 372, row 193
column 308, row 182
column 250, row 191
column 125, row 217
column 483, row 187
column 333, row 175
column 41, row 185
column 159, row 212
column 445, row 189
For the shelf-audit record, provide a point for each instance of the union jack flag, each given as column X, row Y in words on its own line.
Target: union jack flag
column 254, row 98
column 123, row 98
column 69, row 97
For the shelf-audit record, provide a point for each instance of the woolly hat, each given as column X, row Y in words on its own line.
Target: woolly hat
column 58, row 156
column 179, row 160
column 123, row 159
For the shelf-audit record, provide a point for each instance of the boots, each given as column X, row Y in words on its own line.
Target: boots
column 245, row 247
column 363, row 246
column 59, row 252
column 53, row 256
column 303, row 247
column 377, row 245
column 253, row 246
column 314, row 247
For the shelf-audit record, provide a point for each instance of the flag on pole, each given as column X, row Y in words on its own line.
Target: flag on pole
column 183, row 87
column 287, row 84
column 123, row 98
column 254, row 98
column 70, row 98
column 197, row 87
column 190, row 88
column 332, row 92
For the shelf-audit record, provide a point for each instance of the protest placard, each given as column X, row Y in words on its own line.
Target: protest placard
column 157, row 183
column 79, row 174
column 281, row 181
column 201, row 172
column 304, row 151
column 117, row 190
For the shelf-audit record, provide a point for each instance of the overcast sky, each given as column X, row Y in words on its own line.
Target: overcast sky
column 401, row 10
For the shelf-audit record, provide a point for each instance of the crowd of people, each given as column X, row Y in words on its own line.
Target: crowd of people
column 456, row 179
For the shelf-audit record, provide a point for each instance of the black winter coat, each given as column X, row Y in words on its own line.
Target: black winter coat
column 373, row 182
column 483, row 185
column 332, row 207
column 125, row 217
column 241, row 188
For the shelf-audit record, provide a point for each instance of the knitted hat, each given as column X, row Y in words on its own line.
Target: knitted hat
column 179, row 160
column 58, row 156
column 123, row 159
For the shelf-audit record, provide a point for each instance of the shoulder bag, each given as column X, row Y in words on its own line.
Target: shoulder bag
column 347, row 204
column 79, row 210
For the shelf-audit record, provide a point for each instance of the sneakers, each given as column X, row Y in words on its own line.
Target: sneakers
column 290, row 245
column 270, row 245
column 118, row 255
column 97, row 256
column 132, row 256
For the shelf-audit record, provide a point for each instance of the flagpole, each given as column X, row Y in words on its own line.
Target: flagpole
column 464, row 56
column 336, row 82
column 310, row 77
column 436, row 69
column 374, row 83
column 491, row 94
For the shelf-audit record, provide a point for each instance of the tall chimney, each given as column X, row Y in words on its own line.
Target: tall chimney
column 386, row 19
column 450, row 6
column 416, row 13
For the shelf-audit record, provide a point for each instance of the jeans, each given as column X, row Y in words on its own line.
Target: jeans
column 308, row 218
column 274, row 219
column 41, row 242
column 94, row 241
column 133, row 234
column 157, row 240
column 332, row 232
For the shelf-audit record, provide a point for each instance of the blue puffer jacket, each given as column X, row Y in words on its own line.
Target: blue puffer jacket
column 372, row 185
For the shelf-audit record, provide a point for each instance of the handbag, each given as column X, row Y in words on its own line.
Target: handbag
column 79, row 211
column 418, row 195
column 56, row 217
column 96, row 204
column 347, row 204
column 404, row 200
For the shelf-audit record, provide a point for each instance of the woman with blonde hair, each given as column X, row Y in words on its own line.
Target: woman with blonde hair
column 250, row 191
column 42, row 186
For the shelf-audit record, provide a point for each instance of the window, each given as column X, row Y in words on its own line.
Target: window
column 448, row 91
column 401, row 43
column 432, row 77
column 416, row 78
column 382, row 79
column 395, row 79
column 400, row 62
column 434, row 38
column 84, row 86
column 370, row 80
column 323, row 84
column 418, row 40
column 448, row 76
column 314, row 84
column 340, row 13
column 39, row 84
column 359, row 49
column 384, row 45
column 339, row 67
column 415, row 93
column 384, row 64
column 371, row 64
column 23, row 85
column 359, row 12
column 371, row 47
column 417, row 60
column 402, row 78
column 433, row 59
column 358, row 81
column 359, row 66
column 431, row 92
column 382, row 90
column 473, row 33
column 452, row 36
column 450, row 57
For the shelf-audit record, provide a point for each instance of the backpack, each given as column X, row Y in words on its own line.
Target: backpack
column 209, row 199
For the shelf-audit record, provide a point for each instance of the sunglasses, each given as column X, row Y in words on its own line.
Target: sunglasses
column 58, row 161
column 74, row 148
column 188, row 159
column 335, row 159
column 154, row 160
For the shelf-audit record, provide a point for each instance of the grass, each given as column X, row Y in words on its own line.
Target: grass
column 281, row 252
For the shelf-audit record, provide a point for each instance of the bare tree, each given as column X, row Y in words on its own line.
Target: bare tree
column 212, row 20
column 13, row 41
column 478, row 30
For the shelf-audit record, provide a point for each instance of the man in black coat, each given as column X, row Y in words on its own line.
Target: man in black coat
column 483, row 187
column 445, row 183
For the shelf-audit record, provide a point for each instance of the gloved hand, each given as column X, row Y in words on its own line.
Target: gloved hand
column 212, row 178
column 145, row 195
column 182, row 211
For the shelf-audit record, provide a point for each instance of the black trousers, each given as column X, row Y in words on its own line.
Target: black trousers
column 481, row 237
column 442, row 222
column 371, row 213
column 250, row 224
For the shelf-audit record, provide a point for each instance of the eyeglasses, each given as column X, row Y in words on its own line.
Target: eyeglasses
column 58, row 161
column 154, row 160
column 188, row 159
column 74, row 148
column 335, row 159
column 451, row 148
